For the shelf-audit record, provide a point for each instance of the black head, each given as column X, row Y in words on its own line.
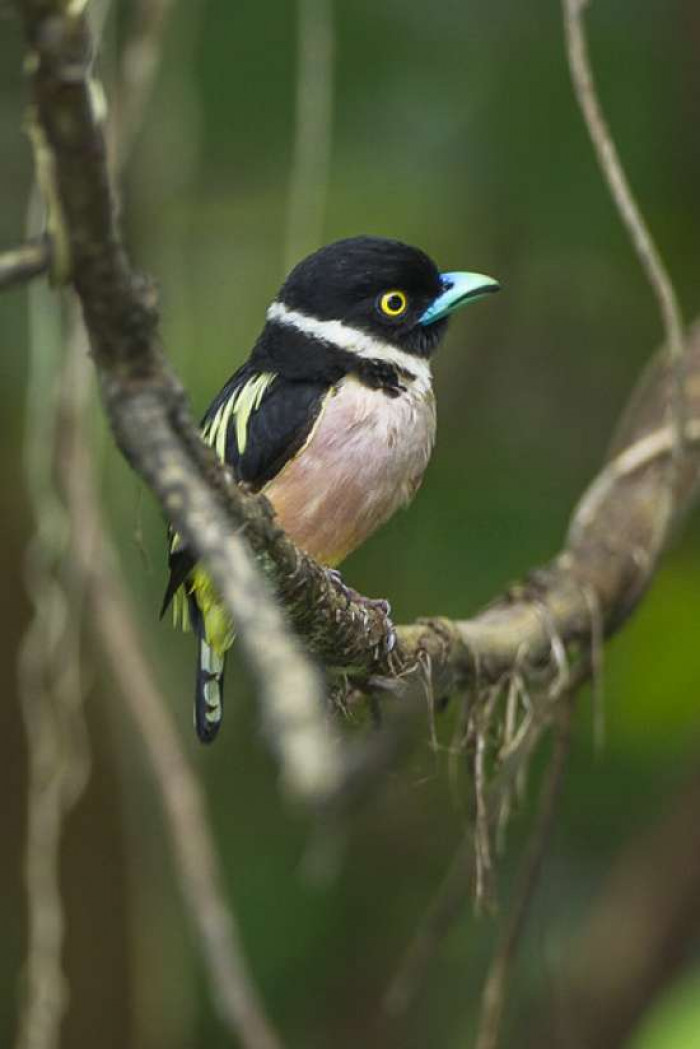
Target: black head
column 361, row 305
column 380, row 286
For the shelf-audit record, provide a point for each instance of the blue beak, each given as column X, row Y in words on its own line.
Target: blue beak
column 457, row 289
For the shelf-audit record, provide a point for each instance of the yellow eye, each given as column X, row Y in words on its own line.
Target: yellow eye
column 393, row 303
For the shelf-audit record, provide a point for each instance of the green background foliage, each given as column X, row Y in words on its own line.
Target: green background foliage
column 454, row 128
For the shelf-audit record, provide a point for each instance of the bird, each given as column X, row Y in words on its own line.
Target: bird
column 331, row 417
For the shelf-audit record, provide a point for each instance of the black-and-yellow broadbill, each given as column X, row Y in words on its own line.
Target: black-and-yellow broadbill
column 332, row 417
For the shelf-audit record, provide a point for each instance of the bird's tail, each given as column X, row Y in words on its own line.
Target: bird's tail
column 209, row 692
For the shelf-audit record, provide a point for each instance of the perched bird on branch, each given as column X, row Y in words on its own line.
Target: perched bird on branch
column 332, row 417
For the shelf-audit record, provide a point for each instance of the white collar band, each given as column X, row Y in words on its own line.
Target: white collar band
column 353, row 340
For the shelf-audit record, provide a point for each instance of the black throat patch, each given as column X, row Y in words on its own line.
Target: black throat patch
column 298, row 356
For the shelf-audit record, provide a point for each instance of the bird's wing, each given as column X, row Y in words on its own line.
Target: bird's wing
column 260, row 420
column 256, row 424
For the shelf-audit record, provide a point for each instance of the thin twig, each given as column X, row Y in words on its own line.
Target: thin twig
column 509, row 728
column 495, row 990
column 627, row 207
column 463, row 731
column 308, row 184
column 483, row 880
column 19, row 265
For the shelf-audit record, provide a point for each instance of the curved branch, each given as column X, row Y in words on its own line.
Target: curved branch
column 623, row 197
column 615, row 538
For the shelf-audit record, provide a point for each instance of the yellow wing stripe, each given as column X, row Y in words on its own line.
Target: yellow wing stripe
column 247, row 402
column 219, row 434
column 240, row 406
column 211, row 426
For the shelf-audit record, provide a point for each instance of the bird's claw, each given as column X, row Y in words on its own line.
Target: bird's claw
column 390, row 637
column 377, row 604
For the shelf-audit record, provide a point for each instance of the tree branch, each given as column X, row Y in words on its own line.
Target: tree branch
column 70, row 532
column 146, row 404
column 19, row 265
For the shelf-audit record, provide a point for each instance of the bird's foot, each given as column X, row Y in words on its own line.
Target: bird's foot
column 378, row 604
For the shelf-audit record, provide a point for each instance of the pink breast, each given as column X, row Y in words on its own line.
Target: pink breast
column 365, row 458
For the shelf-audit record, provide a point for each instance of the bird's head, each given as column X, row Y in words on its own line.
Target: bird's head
column 358, row 301
column 384, row 288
